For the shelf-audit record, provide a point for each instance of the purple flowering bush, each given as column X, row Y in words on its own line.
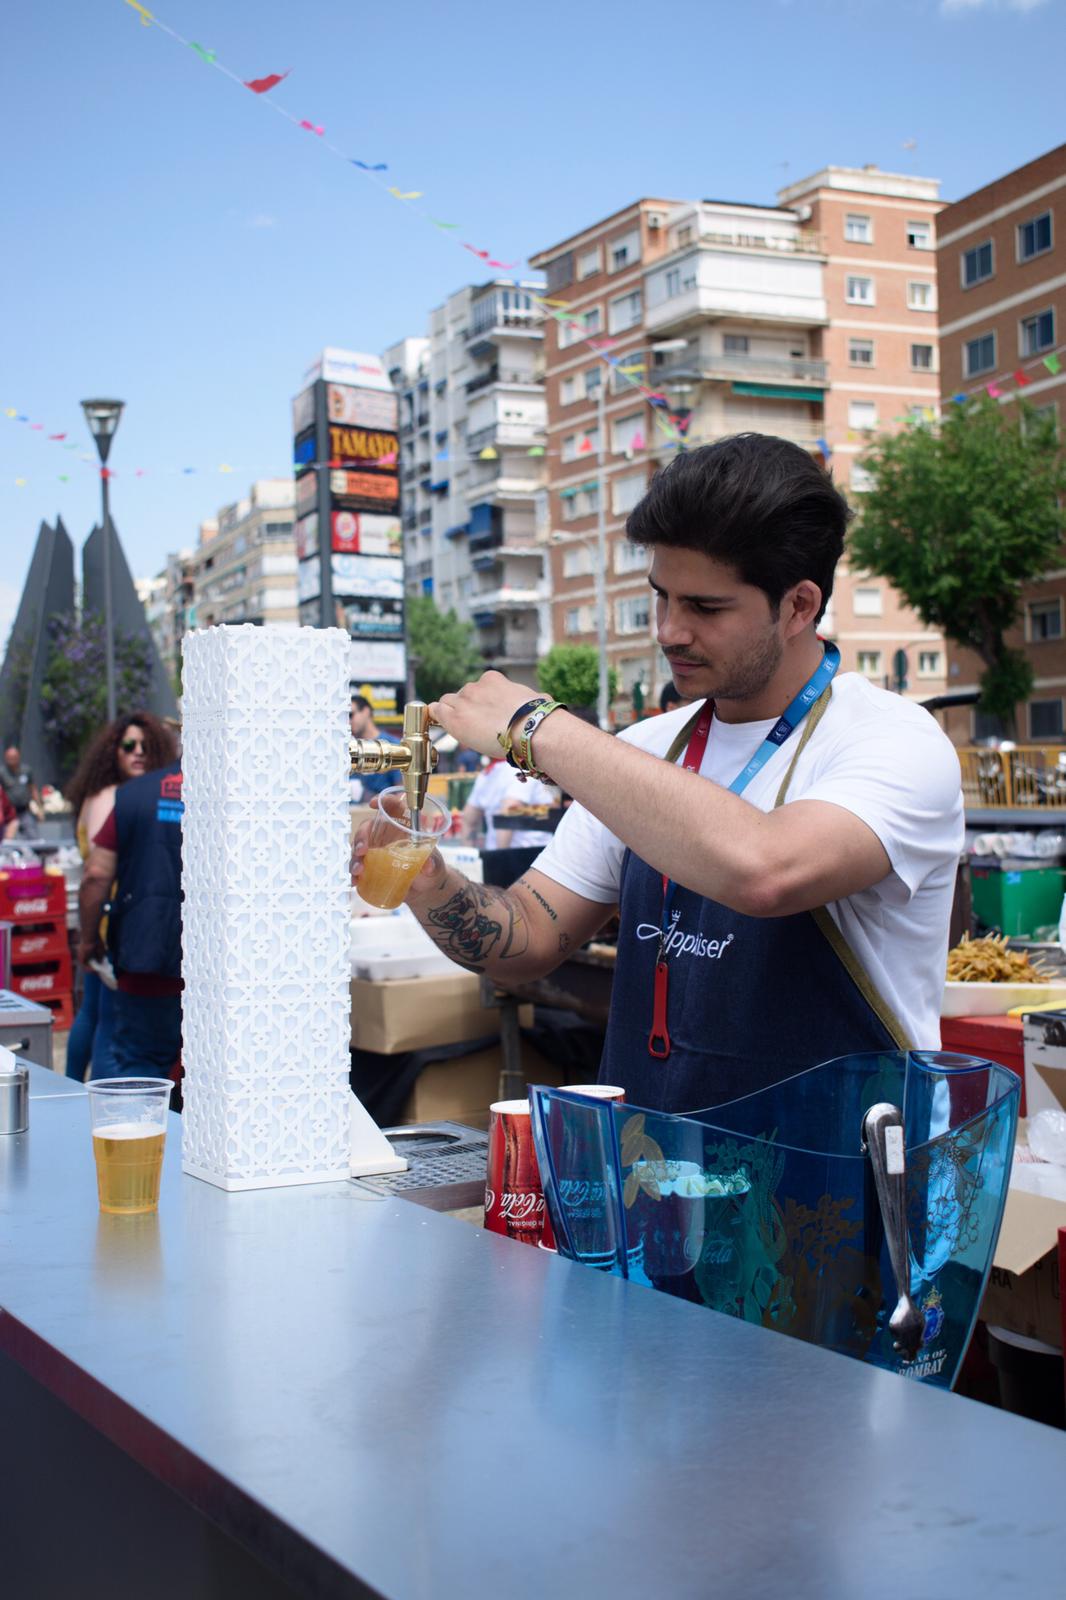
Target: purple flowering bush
column 74, row 688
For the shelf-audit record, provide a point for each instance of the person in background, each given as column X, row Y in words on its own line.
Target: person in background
column 17, row 783
column 362, row 724
column 126, row 748
column 670, row 698
column 9, row 817
column 139, row 844
column 499, row 789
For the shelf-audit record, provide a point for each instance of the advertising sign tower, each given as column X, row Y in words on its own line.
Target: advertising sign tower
column 349, row 541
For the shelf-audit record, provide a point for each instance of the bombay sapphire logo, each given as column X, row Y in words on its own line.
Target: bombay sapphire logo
column 933, row 1311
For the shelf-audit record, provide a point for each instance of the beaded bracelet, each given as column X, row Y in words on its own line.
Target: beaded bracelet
column 523, row 740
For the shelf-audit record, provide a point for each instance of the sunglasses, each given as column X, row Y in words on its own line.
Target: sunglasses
column 130, row 745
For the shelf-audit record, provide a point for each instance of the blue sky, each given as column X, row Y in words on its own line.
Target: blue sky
column 172, row 241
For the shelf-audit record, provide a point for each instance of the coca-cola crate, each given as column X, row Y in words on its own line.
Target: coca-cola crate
column 62, row 1009
column 43, row 980
column 41, row 941
column 44, row 901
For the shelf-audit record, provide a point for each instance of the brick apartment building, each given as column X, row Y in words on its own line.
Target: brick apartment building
column 1001, row 266
column 814, row 320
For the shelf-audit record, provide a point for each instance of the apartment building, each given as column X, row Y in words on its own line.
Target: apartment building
column 244, row 566
column 1002, row 280
column 472, row 439
column 725, row 317
column 877, row 234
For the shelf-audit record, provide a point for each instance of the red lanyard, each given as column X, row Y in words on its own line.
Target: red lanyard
column 659, row 1038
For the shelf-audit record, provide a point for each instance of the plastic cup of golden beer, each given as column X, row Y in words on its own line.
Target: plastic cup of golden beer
column 129, row 1123
column 397, row 850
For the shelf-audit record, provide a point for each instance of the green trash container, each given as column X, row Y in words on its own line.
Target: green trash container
column 1017, row 897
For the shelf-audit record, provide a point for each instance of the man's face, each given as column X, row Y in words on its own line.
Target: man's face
column 359, row 722
column 12, row 757
column 719, row 634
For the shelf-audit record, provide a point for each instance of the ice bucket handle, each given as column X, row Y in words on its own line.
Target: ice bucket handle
column 882, row 1132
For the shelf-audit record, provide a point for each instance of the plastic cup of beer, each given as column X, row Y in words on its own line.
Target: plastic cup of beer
column 397, row 850
column 129, row 1123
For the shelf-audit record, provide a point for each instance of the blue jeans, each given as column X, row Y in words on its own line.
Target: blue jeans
column 90, row 1037
column 147, row 1036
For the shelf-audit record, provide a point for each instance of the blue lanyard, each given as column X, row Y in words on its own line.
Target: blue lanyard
column 782, row 730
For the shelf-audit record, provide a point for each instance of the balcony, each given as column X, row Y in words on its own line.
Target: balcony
column 508, row 598
column 702, row 367
column 523, row 377
column 490, row 322
column 709, row 283
column 516, row 433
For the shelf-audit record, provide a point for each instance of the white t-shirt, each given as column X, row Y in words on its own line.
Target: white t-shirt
column 498, row 787
column 881, row 757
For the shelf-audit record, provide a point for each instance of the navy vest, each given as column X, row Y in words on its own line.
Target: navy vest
column 144, row 931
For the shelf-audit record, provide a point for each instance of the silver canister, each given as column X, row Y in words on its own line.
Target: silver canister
column 14, row 1099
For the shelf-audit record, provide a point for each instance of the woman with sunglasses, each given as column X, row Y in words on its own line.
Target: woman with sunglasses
column 126, row 748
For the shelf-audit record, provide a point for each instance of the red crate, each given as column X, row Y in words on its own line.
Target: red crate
column 991, row 1038
column 45, row 902
column 62, row 1010
column 38, row 942
column 44, row 980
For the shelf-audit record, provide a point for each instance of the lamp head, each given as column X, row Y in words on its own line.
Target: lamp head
column 103, row 418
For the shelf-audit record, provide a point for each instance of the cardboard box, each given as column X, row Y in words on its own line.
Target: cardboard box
column 1024, row 1294
column 390, row 1015
column 1045, row 1061
column 453, row 1091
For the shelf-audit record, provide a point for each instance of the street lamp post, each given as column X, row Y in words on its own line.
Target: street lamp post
column 103, row 418
column 602, row 696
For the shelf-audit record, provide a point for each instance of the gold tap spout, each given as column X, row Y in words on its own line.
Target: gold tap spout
column 414, row 755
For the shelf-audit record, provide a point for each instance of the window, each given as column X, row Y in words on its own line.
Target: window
column 859, row 291
column 858, row 229
column 629, row 557
column 625, row 312
column 979, row 355
column 922, row 357
column 1034, row 237
column 579, row 620
column 930, row 664
column 860, row 352
column 1045, row 719
column 593, row 378
column 630, row 370
column 868, row 602
column 920, row 235
column 1044, row 619
column 569, row 448
column 1042, row 415
column 584, row 326
column 588, row 262
column 577, row 561
column 632, row 615
column 977, row 264
column 862, row 414
column 624, row 251
column 626, row 491
column 568, row 391
column 735, row 344
column 869, row 662
column 673, row 282
column 1037, row 333
column 859, row 481
column 626, row 432
column 559, row 272
column 684, row 235
column 921, row 296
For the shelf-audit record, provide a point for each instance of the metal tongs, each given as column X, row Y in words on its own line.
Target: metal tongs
column 882, row 1132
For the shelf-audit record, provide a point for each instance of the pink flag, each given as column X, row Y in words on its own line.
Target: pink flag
column 312, row 127
column 504, row 266
column 637, row 442
column 482, row 255
column 994, row 390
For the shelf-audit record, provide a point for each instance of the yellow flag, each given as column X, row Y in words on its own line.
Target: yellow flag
column 146, row 16
column 412, row 194
column 488, row 454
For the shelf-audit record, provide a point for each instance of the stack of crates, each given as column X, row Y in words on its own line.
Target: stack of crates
column 35, row 903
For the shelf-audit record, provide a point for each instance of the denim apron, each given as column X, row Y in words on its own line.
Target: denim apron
column 751, row 1000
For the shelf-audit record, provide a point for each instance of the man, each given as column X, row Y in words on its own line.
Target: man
column 670, row 699
column 140, row 845
column 361, row 722
column 17, row 783
column 809, row 852
column 496, row 790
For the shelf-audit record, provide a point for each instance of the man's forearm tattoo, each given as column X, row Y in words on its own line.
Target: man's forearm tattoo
column 524, row 883
column 477, row 925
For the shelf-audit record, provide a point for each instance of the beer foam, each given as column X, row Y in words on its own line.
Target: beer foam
column 128, row 1130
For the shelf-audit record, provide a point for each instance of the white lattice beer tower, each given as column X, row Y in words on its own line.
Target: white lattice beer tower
column 265, row 1017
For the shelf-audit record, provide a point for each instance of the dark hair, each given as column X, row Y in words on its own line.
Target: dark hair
column 98, row 767
column 671, row 696
column 758, row 504
column 361, row 703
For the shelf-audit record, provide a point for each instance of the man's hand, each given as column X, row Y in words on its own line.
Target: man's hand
column 480, row 711
column 90, row 950
column 432, row 871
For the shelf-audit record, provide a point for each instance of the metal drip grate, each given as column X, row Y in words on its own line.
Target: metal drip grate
column 446, row 1166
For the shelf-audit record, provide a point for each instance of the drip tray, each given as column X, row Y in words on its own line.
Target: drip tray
column 446, row 1165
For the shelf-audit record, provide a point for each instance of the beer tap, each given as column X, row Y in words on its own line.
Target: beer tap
column 414, row 756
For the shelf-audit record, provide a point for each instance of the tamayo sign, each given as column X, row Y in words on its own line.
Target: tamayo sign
column 369, row 448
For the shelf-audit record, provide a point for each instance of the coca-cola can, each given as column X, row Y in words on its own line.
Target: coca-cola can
column 514, row 1198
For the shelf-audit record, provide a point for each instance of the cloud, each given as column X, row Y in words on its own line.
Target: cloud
column 959, row 8
column 263, row 220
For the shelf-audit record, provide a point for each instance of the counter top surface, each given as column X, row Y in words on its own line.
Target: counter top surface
column 382, row 1400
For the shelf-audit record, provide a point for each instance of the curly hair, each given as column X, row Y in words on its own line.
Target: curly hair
column 98, row 767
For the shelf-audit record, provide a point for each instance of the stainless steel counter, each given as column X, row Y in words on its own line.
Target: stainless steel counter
column 362, row 1397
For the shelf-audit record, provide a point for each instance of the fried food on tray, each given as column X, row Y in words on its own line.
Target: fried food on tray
column 989, row 961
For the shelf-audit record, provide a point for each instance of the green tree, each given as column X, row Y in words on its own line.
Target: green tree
column 443, row 648
column 74, row 685
column 571, row 673
column 958, row 518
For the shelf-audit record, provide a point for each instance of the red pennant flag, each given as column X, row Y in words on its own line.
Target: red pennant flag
column 312, row 127
column 1020, row 379
column 57, row 435
column 584, row 447
column 482, row 255
column 106, row 472
column 264, row 85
